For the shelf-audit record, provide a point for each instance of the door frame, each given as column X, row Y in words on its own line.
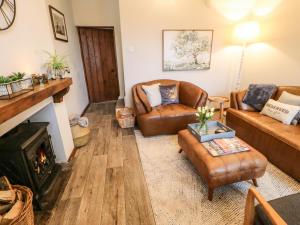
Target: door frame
column 115, row 47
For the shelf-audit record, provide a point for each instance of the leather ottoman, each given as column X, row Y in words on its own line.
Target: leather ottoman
column 222, row 170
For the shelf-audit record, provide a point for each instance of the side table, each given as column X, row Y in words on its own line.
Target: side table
column 219, row 100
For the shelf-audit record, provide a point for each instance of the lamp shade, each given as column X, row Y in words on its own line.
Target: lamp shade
column 247, row 32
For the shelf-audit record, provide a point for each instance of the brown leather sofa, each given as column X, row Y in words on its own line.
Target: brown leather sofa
column 167, row 119
column 280, row 143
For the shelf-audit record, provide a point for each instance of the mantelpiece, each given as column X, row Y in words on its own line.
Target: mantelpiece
column 55, row 88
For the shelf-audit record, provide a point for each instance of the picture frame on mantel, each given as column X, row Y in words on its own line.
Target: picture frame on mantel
column 58, row 24
column 185, row 50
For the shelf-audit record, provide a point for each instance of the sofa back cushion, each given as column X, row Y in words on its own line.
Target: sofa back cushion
column 295, row 90
column 189, row 94
column 142, row 95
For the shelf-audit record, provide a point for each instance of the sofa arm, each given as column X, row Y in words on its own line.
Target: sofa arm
column 192, row 95
column 233, row 100
column 138, row 105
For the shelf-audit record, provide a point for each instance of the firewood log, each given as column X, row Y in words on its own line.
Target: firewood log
column 5, row 208
column 7, row 196
column 13, row 213
column 5, row 184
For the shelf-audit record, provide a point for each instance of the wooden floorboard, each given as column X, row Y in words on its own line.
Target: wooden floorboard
column 107, row 183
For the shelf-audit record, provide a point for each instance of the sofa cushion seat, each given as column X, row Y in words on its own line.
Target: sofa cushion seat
column 288, row 134
column 174, row 110
column 167, row 118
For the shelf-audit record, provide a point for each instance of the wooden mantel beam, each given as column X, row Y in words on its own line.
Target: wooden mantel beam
column 12, row 107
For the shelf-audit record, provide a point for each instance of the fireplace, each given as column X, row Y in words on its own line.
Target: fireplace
column 27, row 158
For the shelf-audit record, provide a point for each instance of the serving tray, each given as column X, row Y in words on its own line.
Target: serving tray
column 194, row 128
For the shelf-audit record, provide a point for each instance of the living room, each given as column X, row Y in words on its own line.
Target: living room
column 151, row 86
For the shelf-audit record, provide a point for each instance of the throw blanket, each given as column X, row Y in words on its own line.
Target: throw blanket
column 258, row 95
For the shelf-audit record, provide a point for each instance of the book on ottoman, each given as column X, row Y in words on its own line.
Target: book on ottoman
column 225, row 146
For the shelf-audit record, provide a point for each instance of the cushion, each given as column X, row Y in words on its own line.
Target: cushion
column 169, row 94
column 291, row 99
column 153, row 94
column 258, row 95
column 297, row 118
column 280, row 111
column 287, row 207
column 240, row 96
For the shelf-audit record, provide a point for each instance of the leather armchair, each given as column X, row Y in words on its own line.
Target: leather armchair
column 167, row 119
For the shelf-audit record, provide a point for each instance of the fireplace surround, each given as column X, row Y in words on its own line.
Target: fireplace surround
column 27, row 158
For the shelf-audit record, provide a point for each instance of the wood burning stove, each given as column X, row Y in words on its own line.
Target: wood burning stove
column 27, row 158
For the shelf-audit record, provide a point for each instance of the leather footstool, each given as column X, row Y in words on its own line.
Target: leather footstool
column 222, row 170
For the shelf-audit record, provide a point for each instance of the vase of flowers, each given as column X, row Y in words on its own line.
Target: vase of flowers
column 203, row 115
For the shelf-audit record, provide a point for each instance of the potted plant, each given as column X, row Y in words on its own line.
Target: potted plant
column 56, row 66
column 3, row 85
column 15, row 79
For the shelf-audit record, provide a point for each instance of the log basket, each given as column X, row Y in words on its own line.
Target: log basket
column 26, row 217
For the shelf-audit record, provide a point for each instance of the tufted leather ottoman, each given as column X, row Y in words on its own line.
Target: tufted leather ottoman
column 222, row 170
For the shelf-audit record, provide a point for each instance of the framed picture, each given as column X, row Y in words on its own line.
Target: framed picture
column 187, row 49
column 58, row 24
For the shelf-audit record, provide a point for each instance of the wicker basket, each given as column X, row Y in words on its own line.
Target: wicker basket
column 125, row 117
column 81, row 135
column 27, row 216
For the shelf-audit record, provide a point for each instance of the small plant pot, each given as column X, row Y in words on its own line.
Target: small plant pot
column 16, row 86
column 3, row 90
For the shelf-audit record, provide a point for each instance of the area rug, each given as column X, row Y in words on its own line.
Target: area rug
column 179, row 195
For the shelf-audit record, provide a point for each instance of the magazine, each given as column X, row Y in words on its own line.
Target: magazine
column 218, row 147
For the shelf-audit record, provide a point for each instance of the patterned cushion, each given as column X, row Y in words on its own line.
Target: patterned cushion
column 280, row 111
column 169, row 94
column 258, row 95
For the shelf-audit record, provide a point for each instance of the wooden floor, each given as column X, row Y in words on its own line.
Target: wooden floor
column 107, row 184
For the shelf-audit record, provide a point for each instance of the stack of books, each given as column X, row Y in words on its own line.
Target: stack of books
column 225, row 146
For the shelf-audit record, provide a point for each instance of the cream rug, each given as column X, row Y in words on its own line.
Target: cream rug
column 179, row 196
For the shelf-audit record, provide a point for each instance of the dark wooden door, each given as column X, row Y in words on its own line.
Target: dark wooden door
column 100, row 65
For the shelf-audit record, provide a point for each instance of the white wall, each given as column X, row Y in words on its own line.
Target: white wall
column 77, row 99
column 101, row 13
column 142, row 23
column 277, row 58
column 22, row 46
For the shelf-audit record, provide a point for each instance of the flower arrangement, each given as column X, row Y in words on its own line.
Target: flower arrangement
column 203, row 115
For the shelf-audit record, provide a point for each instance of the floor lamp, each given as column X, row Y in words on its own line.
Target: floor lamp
column 246, row 33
